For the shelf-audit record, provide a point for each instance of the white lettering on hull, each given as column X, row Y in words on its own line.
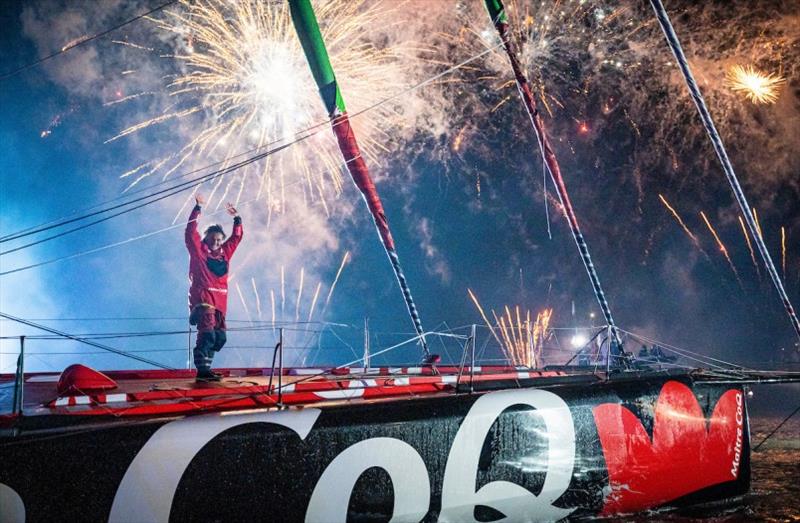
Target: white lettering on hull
column 149, row 485
column 12, row 508
column 737, row 449
column 410, row 481
column 459, row 497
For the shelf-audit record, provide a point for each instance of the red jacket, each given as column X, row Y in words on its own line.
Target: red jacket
column 208, row 272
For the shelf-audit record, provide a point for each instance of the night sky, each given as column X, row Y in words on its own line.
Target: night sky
column 460, row 177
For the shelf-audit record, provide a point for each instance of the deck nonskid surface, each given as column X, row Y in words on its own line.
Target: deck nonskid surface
column 152, row 392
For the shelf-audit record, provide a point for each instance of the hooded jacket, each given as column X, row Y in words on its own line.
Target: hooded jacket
column 208, row 272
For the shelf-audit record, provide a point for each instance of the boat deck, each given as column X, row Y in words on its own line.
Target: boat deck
column 164, row 392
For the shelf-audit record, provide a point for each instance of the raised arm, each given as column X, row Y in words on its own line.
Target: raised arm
column 191, row 236
column 229, row 247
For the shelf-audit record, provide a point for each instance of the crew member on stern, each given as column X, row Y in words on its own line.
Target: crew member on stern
column 209, row 261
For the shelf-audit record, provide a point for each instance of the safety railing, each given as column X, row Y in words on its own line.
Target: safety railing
column 320, row 348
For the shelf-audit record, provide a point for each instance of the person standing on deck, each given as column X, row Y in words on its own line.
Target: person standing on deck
column 209, row 261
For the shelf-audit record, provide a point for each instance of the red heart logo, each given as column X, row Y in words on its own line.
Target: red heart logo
column 687, row 452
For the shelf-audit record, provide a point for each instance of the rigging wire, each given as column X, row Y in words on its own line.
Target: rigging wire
column 790, row 416
column 82, row 41
column 58, row 222
column 64, row 220
column 719, row 148
column 184, row 186
column 239, row 165
column 266, row 326
column 115, row 244
column 691, row 355
column 87, row 342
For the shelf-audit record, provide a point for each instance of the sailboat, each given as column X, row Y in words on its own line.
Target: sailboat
column 601, row 434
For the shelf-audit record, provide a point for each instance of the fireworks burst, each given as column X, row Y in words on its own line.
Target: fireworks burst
column 758, row 87
column 243, row 84
column 521, row 336
column 603, row 74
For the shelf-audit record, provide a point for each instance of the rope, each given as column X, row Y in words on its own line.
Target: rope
column 716, row 141
column 84, row 41
column 776, row 428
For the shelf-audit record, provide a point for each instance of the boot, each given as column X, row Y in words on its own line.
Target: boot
column 204, row 355
column 206, row 376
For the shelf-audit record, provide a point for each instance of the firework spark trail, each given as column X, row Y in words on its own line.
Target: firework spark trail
column 525, row 347
column 272, row 302
column 244, row 303
column 345, row 259
column 721, row 246
column 758, row 223
column 483, row 315
column 58, row 120
column 283, row 291
column 314, row 301
column 680, row 221
column 511, row 324
column 459, row 138
column 509, row 346
column 758, row 87
column 132, row 45
column 750, row 246
column 299, row 294
column 75, row 42
column 258, row 299
column 783, row 251
column 127, row 99
column 520, row 341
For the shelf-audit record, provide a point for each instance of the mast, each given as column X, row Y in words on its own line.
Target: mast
column 305, row 23
column 500, row 20
column 722, row 154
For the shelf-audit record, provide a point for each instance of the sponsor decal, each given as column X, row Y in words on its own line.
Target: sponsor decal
column 737, row 448
column 149, row 485
column 506, row 455
column 459, row 497
column 687, row 452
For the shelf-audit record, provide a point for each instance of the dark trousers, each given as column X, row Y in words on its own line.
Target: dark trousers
column 211, row 337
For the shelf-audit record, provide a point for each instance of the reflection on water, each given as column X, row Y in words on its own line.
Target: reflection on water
column 775, row 490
